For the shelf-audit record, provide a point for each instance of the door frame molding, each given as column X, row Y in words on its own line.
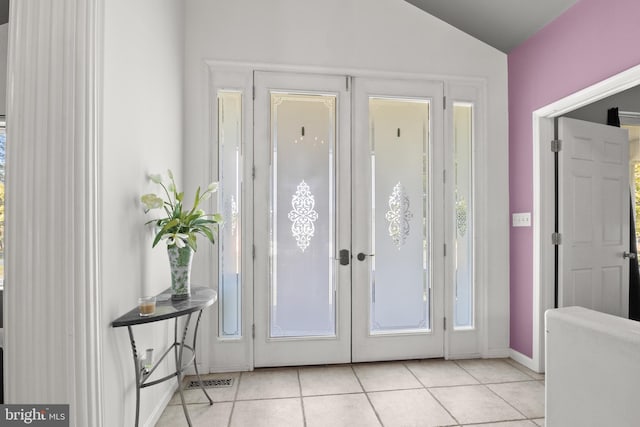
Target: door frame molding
column 213, row 66
column 543, row 199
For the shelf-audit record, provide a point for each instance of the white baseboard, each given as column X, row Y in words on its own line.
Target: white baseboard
column 523, row 360
column 463, row 356
column 496, row 353
column 215, row 369
column 161, row 406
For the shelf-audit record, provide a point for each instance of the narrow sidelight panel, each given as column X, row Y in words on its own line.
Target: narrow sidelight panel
column 463, row 215
column 229, row 202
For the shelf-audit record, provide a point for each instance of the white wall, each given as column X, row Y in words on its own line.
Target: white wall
column 381, row 35
column 142, row 133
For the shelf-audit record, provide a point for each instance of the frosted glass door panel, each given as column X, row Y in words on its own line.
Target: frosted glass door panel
column 399, row 138
column 229, row 191
column 303, row 129
column 463, row 139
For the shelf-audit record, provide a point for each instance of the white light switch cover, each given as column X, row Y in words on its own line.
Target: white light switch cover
column 521, row 219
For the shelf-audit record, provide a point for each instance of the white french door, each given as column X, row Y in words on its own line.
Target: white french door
column 348, row 219
column 398, row 271
column 302, row 211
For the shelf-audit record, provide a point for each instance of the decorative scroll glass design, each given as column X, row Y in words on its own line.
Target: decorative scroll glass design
column 302, row 207
column 229, row 197
column 399, row 215
column 399, row 141
column 302, row 215
column 463, row 158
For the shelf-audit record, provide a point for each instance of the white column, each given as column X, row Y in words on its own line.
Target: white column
column 52, row 340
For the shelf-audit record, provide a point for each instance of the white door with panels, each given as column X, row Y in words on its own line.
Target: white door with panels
column 594, row 217
column 349, row 219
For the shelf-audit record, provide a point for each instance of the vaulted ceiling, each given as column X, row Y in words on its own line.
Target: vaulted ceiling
column 503, row 24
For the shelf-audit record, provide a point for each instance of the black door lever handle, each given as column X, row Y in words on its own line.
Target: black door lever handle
column 344, row 257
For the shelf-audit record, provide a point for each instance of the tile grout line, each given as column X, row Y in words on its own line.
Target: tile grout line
column 520, row 412
column 304, row 415
column 431, row 394
column 469, row 373
column 524, row 369
column 500, row 397
column 367, row 396
column 235, row 397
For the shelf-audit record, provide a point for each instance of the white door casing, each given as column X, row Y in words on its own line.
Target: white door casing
column 594, row 216
column 294, row 348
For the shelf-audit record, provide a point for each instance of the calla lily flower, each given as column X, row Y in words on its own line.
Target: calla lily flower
column 177, row 239
column 157, row 178
column 151, row 201
column 181, row 225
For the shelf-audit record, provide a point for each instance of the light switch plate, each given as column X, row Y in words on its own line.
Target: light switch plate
column 522, row 219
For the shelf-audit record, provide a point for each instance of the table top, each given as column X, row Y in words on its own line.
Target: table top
column 167, row 309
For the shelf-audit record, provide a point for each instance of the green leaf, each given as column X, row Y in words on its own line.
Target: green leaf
column 158, row 238
column 206, row 231
column 196, row 202
column 203, row 221
column 192, row 242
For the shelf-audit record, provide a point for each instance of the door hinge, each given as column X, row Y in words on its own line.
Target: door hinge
column 253, row 330
column 445, row 323
column 445, row 249
column 253, row 252
column 556, row 145
column 253, row 172
column 444, row 102
column 444, row 176
column 253, row 92
column 556, row 239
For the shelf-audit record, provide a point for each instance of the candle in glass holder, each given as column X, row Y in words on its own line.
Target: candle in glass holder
column 147, row 305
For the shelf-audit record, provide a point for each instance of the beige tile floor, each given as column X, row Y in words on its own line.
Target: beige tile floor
column 425, row 393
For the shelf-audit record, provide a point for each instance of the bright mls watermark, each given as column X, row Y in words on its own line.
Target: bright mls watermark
column 34, row 415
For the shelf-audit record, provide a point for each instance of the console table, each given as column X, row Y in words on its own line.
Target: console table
column 166, row 309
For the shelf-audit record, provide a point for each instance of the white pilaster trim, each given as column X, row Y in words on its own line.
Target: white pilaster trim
column 52, row 292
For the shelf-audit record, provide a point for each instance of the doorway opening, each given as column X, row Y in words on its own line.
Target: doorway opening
column 543, row 190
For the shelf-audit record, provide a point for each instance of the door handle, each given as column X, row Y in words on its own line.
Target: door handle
column 629, row 255
column 361, row 256
column 344, row 257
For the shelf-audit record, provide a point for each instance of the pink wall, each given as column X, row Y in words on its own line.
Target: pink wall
column 593, row 40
